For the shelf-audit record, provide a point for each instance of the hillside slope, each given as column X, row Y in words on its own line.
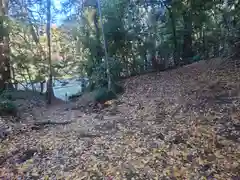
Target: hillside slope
column 178, row 124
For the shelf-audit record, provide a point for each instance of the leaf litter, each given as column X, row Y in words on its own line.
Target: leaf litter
column 178, row 124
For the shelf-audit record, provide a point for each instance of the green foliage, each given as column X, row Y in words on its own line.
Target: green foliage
column 116, row 68
column 117, row 88
column 196, row 58
column 7, row 107
column 75, row 96
column 91, row 86
column 99, row 77
column 1, row 91
column 102, row 95
column 6, row 95
column 134, row 31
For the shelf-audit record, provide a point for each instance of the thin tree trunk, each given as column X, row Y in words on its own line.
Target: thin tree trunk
column 5, row 73
column 49, row 82
column 187, row 38
column 28, row 76
column 42, row 86
column 153, row 37
column 175, row 52
column 105, row 48
column 98, row 47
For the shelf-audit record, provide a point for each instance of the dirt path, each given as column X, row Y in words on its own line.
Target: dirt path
column 179, row 124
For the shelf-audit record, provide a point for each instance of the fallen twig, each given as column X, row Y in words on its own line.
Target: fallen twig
column 43, row 123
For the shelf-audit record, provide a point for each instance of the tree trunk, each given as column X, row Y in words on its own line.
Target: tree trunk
column 49, row 93
column 175, row 52
column 187, row 38
column 105, row 48
column 153, row 37
column 205, row 44
column 42, row 86
column 97, row 31
column 154, row 61
column 5, row 73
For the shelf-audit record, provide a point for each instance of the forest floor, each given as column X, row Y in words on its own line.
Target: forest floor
column 178, row 124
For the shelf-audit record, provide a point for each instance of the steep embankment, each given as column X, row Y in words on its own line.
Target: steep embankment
column 178, row 124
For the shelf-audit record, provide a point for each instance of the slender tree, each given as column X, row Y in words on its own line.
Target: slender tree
column 105, row 46
column 49, row 83
column 5, row 74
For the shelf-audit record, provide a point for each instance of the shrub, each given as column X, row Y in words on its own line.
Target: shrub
column 90, row 87
column 7, row 107
column 102, row 95
column 75, row 96
column 117, row 88
column 196, row 58
column 6, row 95
column 1, row 91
